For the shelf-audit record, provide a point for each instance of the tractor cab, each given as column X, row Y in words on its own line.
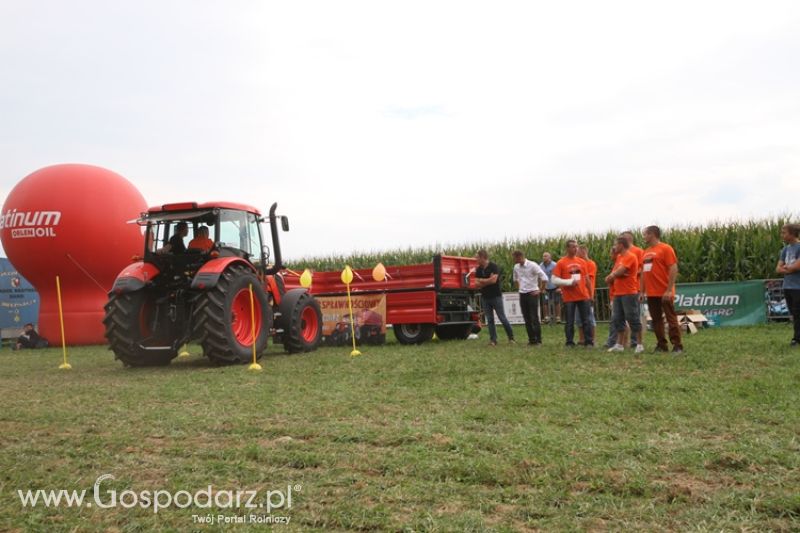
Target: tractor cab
column 215, row 230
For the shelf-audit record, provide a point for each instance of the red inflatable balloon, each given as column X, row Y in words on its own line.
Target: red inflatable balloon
column 71, row 221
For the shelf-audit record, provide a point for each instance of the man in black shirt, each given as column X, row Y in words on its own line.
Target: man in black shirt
column 488, row 281
column 30, row 339
column 175, row 245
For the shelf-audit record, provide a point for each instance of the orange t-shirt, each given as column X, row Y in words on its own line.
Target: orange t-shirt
column 639, row 253
column 655, row 269
column 201, row 244
column 627, row 284
column 591, row 268
column 575, row 268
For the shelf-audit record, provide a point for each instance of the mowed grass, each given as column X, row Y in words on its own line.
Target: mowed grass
column 448, row 436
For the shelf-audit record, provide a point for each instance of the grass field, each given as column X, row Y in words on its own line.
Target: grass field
column 449, row 436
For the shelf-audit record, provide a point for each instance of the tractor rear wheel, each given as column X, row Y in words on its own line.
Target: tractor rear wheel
column 413, row 333
column 453, row 332
column 301, row 321
column 223, row 321
column 130, row 321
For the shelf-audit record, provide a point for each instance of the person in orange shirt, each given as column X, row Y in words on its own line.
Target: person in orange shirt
column 639, row 253
column 201, row 240
column 626, row 294
column 612, row 330
column 659, row 273
column 572, row 275
column 591, row 268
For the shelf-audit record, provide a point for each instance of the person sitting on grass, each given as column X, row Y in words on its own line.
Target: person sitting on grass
column 30, row 339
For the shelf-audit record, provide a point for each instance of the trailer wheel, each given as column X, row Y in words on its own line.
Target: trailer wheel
column 413, row 333
column 453, row 332
column 223, row 320
column 129, row 322
column 301, row 321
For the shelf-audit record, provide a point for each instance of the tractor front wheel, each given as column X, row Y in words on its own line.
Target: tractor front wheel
column 300, row 320
column 223, row 318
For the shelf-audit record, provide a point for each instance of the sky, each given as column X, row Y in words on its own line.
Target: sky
column 377, row 125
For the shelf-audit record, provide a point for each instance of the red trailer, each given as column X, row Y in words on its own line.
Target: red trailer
column 439, row 296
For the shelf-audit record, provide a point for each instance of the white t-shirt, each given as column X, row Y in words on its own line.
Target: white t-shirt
column 528, row 276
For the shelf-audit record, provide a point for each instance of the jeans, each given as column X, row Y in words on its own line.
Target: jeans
column 490, row 307
column 586, row 324
column 553, row 302
column 793, row 303
column 579, row 317
column 529, row 304
column 612, row 334
column 626, row 308
column 659, row 309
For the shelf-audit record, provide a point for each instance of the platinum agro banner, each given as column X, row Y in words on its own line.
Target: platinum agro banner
column 739, row 303
column 19, row 301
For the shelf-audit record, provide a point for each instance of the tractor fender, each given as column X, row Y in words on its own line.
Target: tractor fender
column 134, row 277
column 209, row 273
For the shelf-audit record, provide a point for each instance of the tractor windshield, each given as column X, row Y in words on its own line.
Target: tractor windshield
column 239, row 229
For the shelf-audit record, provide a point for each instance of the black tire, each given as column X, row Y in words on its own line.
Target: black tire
column 453, row 332
column 222, row 322
column 300, row 320
column 413, row 333
column 127, row 323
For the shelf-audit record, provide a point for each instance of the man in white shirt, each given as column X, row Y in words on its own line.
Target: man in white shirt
column 531, row 280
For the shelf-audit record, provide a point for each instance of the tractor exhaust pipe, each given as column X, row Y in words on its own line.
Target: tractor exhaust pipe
column 276, row 243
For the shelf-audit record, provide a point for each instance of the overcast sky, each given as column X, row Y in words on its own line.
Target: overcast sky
column 377, row 125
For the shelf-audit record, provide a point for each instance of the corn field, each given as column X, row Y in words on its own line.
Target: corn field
column 719, row 251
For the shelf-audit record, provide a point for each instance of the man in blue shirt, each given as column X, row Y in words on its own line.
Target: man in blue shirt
column 789, row 266
column 552, row 310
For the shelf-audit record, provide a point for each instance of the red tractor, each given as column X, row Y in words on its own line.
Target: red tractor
column 175, row 294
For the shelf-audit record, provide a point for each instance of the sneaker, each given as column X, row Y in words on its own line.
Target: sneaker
column 512, row 341
column 794, row 343
column 676, row 350
column 492, row 343
column 616, row 348
column 570, row 345
column 639, row 348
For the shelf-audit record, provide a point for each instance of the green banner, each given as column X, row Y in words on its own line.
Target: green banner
column 738, row 303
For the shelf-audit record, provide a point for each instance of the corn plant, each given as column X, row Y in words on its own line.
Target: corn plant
column 718, row 251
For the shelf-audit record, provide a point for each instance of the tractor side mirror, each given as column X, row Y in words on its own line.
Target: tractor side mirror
column 285, row 223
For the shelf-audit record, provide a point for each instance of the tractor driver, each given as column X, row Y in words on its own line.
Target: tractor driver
column 201, row 240
column 175, row 244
